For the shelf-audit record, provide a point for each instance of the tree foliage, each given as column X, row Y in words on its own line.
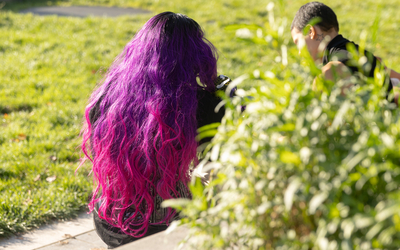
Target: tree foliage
column 299, row 169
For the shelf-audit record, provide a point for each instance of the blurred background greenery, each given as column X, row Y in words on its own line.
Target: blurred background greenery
column 49, row 65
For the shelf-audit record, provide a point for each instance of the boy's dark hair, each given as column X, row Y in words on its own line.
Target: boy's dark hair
column 313, row 10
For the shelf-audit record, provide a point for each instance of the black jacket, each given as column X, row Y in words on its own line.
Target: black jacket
column 337, row 50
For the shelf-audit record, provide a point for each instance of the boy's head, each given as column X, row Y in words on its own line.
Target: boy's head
column 312, row 10
column 326, row 24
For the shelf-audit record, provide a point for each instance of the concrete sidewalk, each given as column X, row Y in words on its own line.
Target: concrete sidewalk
column 58, row 234
column 79, row 234
column 160, row 241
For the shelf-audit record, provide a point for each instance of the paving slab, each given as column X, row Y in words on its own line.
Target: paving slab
column 79, row 234
column 84, row 11
column 160, row 241
column 86, row 241
column 48, row 234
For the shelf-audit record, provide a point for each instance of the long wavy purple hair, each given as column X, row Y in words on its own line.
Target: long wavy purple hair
column 142, row 141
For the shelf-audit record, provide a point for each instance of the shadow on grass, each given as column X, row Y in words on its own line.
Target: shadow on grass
column 5, row 174
column 6, row 109
column 18, row 5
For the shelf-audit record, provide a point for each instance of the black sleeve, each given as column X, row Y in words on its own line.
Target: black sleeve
column 368, row 68
column 206, row 110
column 344, row 56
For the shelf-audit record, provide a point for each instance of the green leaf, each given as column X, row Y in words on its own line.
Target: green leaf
column 206, row 134
column 211, row 126
column 178, row 203
column 197, row 188
column 290, row 191
column 290, row 158
column 316, row 201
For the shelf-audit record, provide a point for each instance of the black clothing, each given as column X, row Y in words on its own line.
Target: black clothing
column 205, row 111
column 113, row 236
column 337, row 50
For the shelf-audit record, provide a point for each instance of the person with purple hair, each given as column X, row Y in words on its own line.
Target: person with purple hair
column 141, row 126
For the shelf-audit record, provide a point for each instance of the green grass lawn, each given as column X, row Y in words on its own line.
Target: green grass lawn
column 50, row 65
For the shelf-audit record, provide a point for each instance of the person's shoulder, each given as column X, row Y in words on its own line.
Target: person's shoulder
column 336, row 50
column 338, row 42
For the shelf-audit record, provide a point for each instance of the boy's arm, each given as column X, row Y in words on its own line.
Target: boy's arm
column 335, row 70
column 396, row 85
column 393, row 73
column 338, row 70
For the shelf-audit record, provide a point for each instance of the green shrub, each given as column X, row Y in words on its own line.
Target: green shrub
column 299, row 169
